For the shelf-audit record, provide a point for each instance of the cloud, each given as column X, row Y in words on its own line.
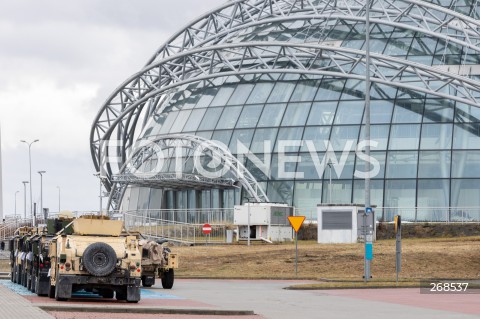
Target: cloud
column 60, row 61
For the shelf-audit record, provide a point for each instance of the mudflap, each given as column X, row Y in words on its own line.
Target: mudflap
column 133, row 292
column 43, row 286
column 63, row 288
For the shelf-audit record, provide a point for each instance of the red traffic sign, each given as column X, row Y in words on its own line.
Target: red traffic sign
column 206, row 229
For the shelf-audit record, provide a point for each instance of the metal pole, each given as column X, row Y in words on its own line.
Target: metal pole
column 330, row 184
column 25, row 199
column 296, row 253
column 30, row 165
column 41, row 190
column 248, row 221
column 16, row 207
column 58, row 198
column 367, row 128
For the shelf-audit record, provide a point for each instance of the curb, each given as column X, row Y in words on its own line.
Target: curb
column 145, row 310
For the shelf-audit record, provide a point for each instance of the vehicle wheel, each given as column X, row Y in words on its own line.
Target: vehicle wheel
column 121, row 294
column 144, row 284
column 132, row 301
column 14, row 274
column 99, row 259
column 167, row 279
column 33, row 284
column 51, row 292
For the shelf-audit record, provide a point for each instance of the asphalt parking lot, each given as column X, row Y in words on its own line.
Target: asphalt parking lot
column 268, row 299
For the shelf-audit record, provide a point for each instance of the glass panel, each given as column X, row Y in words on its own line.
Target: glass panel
column 376, row 192
column 168, row 122
column 296, row 114
column 306, row 197
column 379, row 134
column 133, row 199
column 289, row 134
column 222, row 136
column 341, row 135
column 341, row 192
column 354, row 89
column 349, row 112
column 466, row 164
column 222, row 96
column 194, row 120
column 466, row 136
column 438, row 110
column 243, row 136
column 401, row 194
column 434, row 164
column 379, row 157
column 466, row 193
column 206, row 97
column 260, row 93
column 467, row 113
column 249, row 116
column 318, row 135
column 402, row 164
column 261, row 135
column 322, row 113
column 436, row 136
column 329, row 90
column 404, row 137
column 408, row 111
column 284, row 166
column 210, row 119
column 180, row 121
column 143, row 196
column 433, row 194
column 280, row 192
column 281, row 92
column 307, row 166
column 241, row 94
column 272, row 115
column 229, row 117
column 305, row 91
column 380, row 111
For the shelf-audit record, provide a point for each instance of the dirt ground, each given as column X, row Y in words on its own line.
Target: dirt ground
column 422, row 258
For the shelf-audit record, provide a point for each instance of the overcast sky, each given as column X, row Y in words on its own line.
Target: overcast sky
column 59, row 60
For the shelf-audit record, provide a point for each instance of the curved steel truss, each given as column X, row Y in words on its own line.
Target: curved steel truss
column 189, row 147
column 183, row 59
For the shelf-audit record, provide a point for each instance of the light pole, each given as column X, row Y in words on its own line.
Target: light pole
column 25, row 199
column 16, row 206
column 330, row 183
column 41, row 190
column 58, row 199
column 30, row 164
column 248, row 220
column 100, row 190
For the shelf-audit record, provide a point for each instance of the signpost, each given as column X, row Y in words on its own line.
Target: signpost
column 296, row 222
column 368, row 244
column 398, row 245
column 206, row 229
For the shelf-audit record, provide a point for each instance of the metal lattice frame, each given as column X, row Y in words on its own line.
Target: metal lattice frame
column 187, row 142
column 176, row 63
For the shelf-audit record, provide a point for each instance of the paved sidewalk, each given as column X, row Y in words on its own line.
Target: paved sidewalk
column 13, row 305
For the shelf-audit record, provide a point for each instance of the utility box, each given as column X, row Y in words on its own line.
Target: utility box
column 344, row 223
column 268, row 221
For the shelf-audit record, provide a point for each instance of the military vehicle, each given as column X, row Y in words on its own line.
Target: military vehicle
column 18, row 257
column 96, row 256
column 158, row 260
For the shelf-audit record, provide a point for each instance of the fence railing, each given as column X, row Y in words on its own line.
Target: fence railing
column 174, row 230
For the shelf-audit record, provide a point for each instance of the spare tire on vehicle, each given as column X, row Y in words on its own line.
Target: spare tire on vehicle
column 99, row 259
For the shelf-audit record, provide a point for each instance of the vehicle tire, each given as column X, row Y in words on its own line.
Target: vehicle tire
column 121, row 294
column 99, row 259
column 167, row 279
column 57, row 298
column 14, row 274
column 144, row 284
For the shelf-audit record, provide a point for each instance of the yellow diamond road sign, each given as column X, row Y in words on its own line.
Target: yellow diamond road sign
column 296, row 222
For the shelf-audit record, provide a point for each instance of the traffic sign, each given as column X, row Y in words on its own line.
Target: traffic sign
column 368, row 210
column 296, row 222
column 206, row 229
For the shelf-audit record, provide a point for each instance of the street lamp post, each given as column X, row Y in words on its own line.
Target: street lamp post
column 25, row 199
column 248, row 220
column 58, row 199
column 30, row 164
column 16, row 207
column 100, row 191
column 41, row 191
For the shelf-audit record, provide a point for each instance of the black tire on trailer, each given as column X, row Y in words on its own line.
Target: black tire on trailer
column 168, row 279
column 99, row 259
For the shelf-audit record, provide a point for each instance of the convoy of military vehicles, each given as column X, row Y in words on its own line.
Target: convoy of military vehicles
column 91, row 253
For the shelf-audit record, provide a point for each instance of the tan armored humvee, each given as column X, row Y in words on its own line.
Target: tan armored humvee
column 95, row 257
column 157, row 260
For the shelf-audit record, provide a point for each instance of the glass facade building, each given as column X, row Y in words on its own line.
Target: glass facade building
column 282, row 85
